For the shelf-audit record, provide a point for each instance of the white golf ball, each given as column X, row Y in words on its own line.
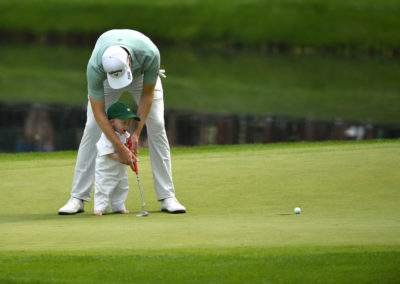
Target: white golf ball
column 297, row 210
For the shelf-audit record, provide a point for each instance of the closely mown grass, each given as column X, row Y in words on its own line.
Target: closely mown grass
column 355, row 25
column 355, row 89
column 240, row 226
column 241, row 266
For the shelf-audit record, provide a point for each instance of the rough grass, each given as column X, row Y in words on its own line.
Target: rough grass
column 356, row 89
column 240, row 225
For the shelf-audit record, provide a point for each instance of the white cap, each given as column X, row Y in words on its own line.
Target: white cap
column 116, row 64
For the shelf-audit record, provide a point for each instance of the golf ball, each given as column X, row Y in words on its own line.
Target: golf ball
column 297, row 210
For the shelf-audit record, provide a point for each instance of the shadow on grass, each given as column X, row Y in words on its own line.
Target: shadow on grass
column 16, row 218
column 39, row 217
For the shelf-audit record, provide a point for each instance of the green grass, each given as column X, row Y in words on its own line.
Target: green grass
column 240, row 225
column 241, row 266
column 311, row 86
column 355, row 25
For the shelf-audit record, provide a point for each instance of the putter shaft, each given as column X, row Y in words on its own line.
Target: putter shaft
column 136, row 170
column 143, row 213
column 141, row 192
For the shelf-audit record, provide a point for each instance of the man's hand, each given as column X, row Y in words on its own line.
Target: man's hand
column 126, row 156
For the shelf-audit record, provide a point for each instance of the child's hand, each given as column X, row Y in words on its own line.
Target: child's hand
column 125, row 156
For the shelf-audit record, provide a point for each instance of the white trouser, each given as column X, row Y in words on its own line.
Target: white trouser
column 158, row 143
column 111, row 185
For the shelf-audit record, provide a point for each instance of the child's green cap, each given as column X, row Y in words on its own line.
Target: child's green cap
column 121, row 111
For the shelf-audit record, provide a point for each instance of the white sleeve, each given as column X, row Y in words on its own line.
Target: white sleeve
column 123, row 137
column 126, row 135
column 104, row 146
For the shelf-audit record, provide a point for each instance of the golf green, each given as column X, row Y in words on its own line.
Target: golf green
column 239, row 227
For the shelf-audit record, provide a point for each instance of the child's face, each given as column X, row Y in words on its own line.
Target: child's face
column 120, row 125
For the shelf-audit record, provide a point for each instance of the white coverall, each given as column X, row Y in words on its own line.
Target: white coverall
column 111, row 180
column 158, row 143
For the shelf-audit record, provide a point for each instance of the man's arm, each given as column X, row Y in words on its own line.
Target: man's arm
column 144, row 107
column 124, row 155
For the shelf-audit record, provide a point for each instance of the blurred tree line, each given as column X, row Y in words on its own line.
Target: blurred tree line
column 301, row 26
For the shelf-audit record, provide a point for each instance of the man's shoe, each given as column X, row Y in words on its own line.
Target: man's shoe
column 171, row 205
column 73, row 206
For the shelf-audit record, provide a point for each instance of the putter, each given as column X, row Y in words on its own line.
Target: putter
column 143, row 213
column 136, row 170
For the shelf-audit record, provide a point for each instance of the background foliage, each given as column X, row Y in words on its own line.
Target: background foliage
column 302, row 58
column 356, row 25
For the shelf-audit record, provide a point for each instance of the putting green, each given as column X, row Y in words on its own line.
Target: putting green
column 238, row 198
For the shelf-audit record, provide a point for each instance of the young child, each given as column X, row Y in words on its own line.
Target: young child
column 111, row 179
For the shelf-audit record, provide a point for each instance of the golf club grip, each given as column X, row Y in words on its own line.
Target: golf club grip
column 129, row 142
column 135, row 167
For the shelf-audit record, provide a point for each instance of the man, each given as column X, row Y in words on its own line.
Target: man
column 124, row 60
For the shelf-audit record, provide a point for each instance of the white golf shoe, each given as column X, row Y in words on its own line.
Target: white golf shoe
column 73, row 206
column 171, row 205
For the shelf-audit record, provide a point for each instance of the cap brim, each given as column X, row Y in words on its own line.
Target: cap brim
column 129, row 116
column 120, row 82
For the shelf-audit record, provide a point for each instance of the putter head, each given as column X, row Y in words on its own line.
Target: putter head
column 143, row 214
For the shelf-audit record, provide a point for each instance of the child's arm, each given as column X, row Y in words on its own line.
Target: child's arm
column 113, row 156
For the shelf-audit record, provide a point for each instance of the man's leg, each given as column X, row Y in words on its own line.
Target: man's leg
column 83, row 180
column 159, row 150
column 159, row 147
column 82, row 183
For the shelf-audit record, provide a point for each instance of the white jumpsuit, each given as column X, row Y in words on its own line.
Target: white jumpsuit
column 111, row 179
